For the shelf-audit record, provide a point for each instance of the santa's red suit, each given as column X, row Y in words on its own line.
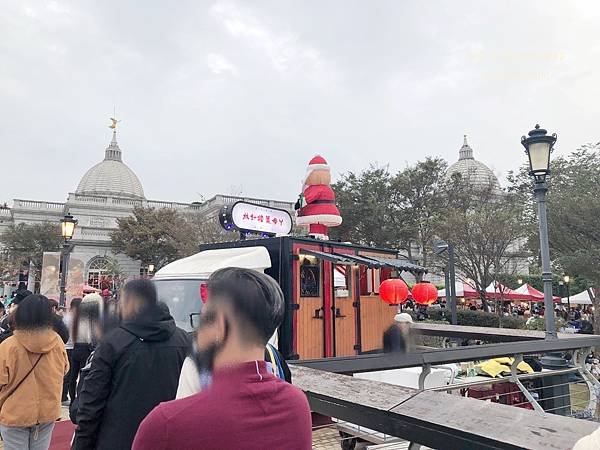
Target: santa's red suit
column 316, row 207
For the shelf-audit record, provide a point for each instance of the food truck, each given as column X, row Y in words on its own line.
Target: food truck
column 331, row 290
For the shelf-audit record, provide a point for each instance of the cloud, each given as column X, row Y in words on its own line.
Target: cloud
column 284, row 49
column 218, row 64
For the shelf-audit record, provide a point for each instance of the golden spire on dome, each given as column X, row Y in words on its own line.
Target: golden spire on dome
column 114, row 123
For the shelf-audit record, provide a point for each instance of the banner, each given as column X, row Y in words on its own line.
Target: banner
column 50, row 279
column 75, row 276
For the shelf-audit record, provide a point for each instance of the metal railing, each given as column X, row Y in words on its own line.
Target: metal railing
column 545, row 406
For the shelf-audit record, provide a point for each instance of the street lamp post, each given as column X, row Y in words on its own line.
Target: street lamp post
column 450, row 276
column 567, row 280
column 538, row 146
column 67, row 226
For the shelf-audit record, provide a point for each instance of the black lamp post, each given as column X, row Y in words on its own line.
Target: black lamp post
column 67, row 226
column 538, row 146
column 440, row 247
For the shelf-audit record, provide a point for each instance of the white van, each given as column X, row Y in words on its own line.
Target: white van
column 182, row 284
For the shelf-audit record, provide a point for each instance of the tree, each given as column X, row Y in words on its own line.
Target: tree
column 27, row 242
column 573, row 209
column 366, row 209
column 114, row 275
column 484, row 226
column 208, row 230
column 419, row 203
column 397, row 211
column 157, row 236
column 8, row 269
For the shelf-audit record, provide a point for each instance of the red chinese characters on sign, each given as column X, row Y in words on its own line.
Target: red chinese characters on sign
column 261, row 219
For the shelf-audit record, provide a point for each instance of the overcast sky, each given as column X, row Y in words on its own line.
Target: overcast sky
column 237, row 96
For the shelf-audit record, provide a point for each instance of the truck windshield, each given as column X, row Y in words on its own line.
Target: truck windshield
column 182, row 297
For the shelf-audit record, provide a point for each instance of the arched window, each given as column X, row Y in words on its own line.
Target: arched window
column 96, row 269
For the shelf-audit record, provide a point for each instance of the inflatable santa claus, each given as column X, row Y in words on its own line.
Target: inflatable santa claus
column 316, row 208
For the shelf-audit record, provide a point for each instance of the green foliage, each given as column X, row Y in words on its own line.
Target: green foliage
column 114, row 272
column 364, row 203
column 577, row 284
column 157, row 236
column 392, row 210
column 476, row 318
column 485, row 227
column 539, row 323
column 27, row 242
column 573, row 209
column 208, row 231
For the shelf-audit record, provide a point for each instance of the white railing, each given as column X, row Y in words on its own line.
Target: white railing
column 38, row 205
column 231, row 199
column 88, row 199
column 94, row 234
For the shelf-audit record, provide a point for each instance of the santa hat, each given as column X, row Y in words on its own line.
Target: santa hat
column 317, row 163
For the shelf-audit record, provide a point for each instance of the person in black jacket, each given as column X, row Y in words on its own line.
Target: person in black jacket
column 6, row 323
column 134, row 368
column 58, row 325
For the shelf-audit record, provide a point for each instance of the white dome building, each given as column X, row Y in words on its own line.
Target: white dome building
column 111, row 177
column 475, row 172
column 108, row 191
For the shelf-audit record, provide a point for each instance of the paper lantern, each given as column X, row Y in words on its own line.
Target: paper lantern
column 393, row 291
column 424, row 293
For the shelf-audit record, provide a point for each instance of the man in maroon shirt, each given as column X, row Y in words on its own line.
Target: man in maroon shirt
column 243, row 405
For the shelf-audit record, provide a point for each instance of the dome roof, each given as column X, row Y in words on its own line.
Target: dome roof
column 477, row 173
column 111, row 176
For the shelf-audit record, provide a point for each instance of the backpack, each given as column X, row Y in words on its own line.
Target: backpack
column 274, row 360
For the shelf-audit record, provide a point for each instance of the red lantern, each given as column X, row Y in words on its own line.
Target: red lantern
column 393, row 291
column 424, row 293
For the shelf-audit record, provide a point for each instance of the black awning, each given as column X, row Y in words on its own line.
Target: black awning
column 400, row 265
column 369, row 262
column 338, row 259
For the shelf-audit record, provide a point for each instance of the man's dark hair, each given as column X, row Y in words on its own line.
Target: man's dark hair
column 256, row 300
column 34, row 312
column 143, row 290
column 53, row 303
column 75, row 303
column 21, row 295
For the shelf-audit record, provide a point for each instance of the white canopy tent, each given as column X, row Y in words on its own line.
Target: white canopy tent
column 201, row 265
column 583, row 298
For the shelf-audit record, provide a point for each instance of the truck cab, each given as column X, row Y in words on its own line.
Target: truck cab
column 182, row 283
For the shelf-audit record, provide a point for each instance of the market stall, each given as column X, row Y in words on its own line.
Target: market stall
column 583, row 298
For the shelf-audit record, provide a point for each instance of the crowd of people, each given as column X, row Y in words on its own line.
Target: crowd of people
column 132, row 379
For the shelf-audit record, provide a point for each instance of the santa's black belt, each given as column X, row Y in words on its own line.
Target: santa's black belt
column 322, row 202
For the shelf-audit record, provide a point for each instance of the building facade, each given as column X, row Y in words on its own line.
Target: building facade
column 108, row 191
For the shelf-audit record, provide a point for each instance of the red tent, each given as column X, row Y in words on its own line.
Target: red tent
column 528, row 293
column 497, row 290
